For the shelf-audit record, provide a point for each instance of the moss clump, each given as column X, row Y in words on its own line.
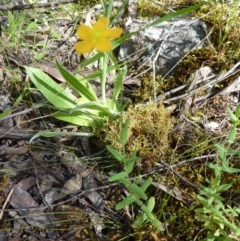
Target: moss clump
column 223, row 21
column 148, row 133
column 148, row 9
column 89, row 3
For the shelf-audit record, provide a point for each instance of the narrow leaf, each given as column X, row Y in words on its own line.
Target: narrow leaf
column 139, row 220
column 232, row 134
column 117, row 176
column 52, row 134
column 132, row 158
column 221, row 151
column 54, row 93
column 87, row 61
column 130, row 161
column 125, row 202
column 115, row 153
column 118, row 83
column 119, row 11
column 138, row 191
column 158, row 21
column 232, row 116
column 151, row 204
column 124, row 133
column 75, row 83
column 94, row 105
column 129, row 167
column 79, row 120
column 146, row 184
column 174, row 15
column 238, row 111
column 87, row 85
column 147, row 212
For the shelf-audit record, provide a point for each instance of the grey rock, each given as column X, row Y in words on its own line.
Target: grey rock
column 3, row 235
column 168, row 42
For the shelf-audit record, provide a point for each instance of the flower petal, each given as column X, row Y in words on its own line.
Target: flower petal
column 101, row 24
column 84, row 47
column 113, row 33
column 85, row 32
column 103, row 45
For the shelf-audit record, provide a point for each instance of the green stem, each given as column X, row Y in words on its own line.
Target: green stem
column 103, row 67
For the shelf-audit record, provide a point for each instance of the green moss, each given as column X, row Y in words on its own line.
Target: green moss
column 223, row 22
column 148, row 133
column 148, row 9
column 89, row 3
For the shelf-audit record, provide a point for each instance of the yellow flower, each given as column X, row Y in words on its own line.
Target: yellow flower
column 96, row 37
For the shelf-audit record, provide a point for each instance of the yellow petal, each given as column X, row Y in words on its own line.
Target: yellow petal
column 84, row 32
column 113, row 33
column 84, row 47
column 104, row 45
column 101, row 24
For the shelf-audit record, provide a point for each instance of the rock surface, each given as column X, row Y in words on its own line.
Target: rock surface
column 168, row 42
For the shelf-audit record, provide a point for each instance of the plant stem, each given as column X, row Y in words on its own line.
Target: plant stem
column 103, row 66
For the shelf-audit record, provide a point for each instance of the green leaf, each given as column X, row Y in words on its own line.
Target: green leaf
column 158, row 225
column 125, row 202
column 237, row 113
column 117, row 176
column 118, row 83
column 151, row 203
column 31, row 26
column 158, row 21
column 109, row 8
column 173, row 15
column 221, row 151
column 98, row 73
column 85, row 82
column 93, row 105
column 148, row 213
column 223, row 187
column 40, row 55
column 138, row 191
column 238, row 231
column 5, row 113
column 129, row 167
column 75, row 83
column 104, row 6
column 54, row 93
column 233, row 152
column 231, row 169
column 119, row 11
column 139, row 220
column 130, row 161
column 123, row 39
column 118, row 156
column 217, row 169
column 88, row 61
column 232, row 134
column 124, row 133
column 132, row 158
column 232, row 115
column 52, row 134
column 76, row 119
column 55, row 34
column 146, row 184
